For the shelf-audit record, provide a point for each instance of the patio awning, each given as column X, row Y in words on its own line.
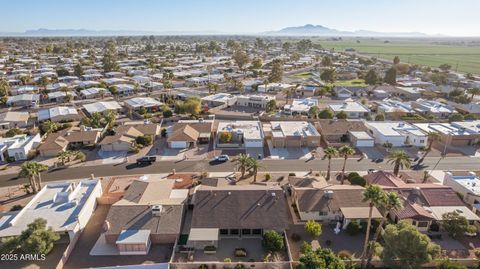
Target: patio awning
column 359, row 212
column 134, row 237
column 203, row 234
column 438, row 211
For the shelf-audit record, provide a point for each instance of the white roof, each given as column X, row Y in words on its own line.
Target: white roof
column 203, row 234
column 219, row 97
column 349, row 107
column 101, row 106
column 59, row 204
column 133, row 237
column 249, row 129
column 49, row 113
column 293, row 128
column 301, row 105
column 391, row 105
column 438, row 211
column 361, row 135
column 137, row 102
column 394, row 128
column 92, row 91
column 469, row 182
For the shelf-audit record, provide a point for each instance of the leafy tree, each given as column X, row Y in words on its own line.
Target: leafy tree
column 357, row 180
column 342, row 115
column 396, row 60
column 4, row 88
column 241, row 58
column 325, row 114
column 276, row 74
column 455, row 117
column 32, row 170
column 373, row 195
column 273, row 241
column 345, row 151
column 13, row 132
column 78, row 70
column 320, row 258
column 400, row 160
column 225, row 137
column 454, row 224
column 449, row 264
column 192, row 106
column 470, row 117
column 329, row 75
column 313, row 228
column 391, row 76
column 326, row 61
column 304, row 45
column 314, row 110
column 163, row 132
column 144, row 140
column 62, row 72
column 473, row 92
column 439, row 78
column 109, row 60
column 271, row 106
column 167, row 113
column 371, row 77
column 406, row 248
column 445, row 67
column 380, row 117
column 257, row 63
column 48, row 127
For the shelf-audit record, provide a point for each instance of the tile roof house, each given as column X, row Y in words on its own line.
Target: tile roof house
column 150, row 212
column 188, row 133
column 125, row 136
column 62, row 140
column 338, row 131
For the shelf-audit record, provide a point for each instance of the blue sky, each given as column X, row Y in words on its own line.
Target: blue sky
column 458, row 18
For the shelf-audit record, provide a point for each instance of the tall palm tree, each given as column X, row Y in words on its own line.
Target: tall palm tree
column 390, row 201
column 243, row 162
column 474, row 91
column 400, row 160
column 330, row 153
column 373, row 195
column 432, row 137
column 110, row 118
column 32, row 170
column 63, row 155
column 254, row 165
column 345, row 151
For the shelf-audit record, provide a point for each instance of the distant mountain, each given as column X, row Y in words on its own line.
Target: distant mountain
column 319, row 30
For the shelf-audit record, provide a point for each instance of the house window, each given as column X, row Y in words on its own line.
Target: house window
column 422, row 224
column 414, row 222
column 322, row 213
column 246, row 231
column 223, row 231
column 257, row 231
column 234, row 231
column 422, row 141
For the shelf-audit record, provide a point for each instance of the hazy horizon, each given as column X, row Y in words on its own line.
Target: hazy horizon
column 243, row 17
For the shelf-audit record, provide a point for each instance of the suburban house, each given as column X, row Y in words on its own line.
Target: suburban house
column 125, row 136
column 274, row 87
column 467, row 184
column 336, row 132
column 60, row 96
column 189, row 133
column 102, row 107
column 398, row 133
column 292, row 134
column 423, row 203
column 148, row 103
column 243, row 134
column 408, row 93
column 66, row 207
column 219, row 99
column 393, row 108
column 24, row 100
column 14, row 119
column 254, row 100
column 236, row 212
column 150, row 212
column 317, row 200
column 346, row 92
column 354, row 110
column 306, row 91
column 58, row 114
column 65, row 139
column 17, row 147
column 433, row 108
column 92, row 93
column 300, row 106
column 456, row 133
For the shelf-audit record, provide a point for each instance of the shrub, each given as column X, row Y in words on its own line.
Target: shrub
column 167, row 113
column 345, row 255
column 313, row 228
column 203, row 266
column 291, row 174
column 353, row 228
column 305, row 247
column 352, row 175
column 268, row 177
column 144, row 140
column 240, row 252
column 209, row 248
column 227, row 260
column 239, row 266
column 477, row 252
column 16, row 208
column 471, row 229
column 359, row 181
column 295, row 237
column 163, row 133
column 10, row 159
column 273, row 241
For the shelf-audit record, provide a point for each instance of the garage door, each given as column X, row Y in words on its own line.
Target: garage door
column 253, row 144
column 294, row 143
column 364, row 143
column 278, row 144
column 178, row 144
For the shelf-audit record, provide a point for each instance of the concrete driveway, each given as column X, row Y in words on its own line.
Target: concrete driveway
column 112, row 157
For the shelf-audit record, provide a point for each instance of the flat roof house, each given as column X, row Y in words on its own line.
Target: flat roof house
column 254, row 100
column 24, row 100
column 338, row 132
column 102, row 107
column 67, row 207
column 300, row 106
column 150, row 212
column 150, row 104
column 465, row 183
column 236, row 212
column 57, row 114
column 243, row 134
column 433, row 108
column 398, row 133
column 455, row 133
column 92, row 93
column 14, row 119
column 391, row 107
column 219, row 99
column 354, row 110
column 18, row 147
column 286, row 134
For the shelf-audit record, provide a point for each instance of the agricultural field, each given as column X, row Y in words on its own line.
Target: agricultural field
column 462, row 54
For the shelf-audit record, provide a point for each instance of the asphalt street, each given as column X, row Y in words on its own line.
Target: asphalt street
column 450, row 163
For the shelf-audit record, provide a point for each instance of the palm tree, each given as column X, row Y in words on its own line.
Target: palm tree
column 32, row 170
column 62, row 155
column 432, row 137
column 110, row 118
column 400, row 160
column 254, row 165
column 473, row 92
column 330, row 153
column 345, row 151
column 243, row 161
column 390, row 201
column 374, row 195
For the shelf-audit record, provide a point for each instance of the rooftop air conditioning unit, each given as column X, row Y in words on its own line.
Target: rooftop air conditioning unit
column 157, row 210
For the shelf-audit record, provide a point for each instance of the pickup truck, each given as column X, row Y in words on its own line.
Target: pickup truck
column 146, row 160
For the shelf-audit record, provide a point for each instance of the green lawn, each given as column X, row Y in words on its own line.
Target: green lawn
column 352, row 82
column 303, row 75
column 431, row 52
